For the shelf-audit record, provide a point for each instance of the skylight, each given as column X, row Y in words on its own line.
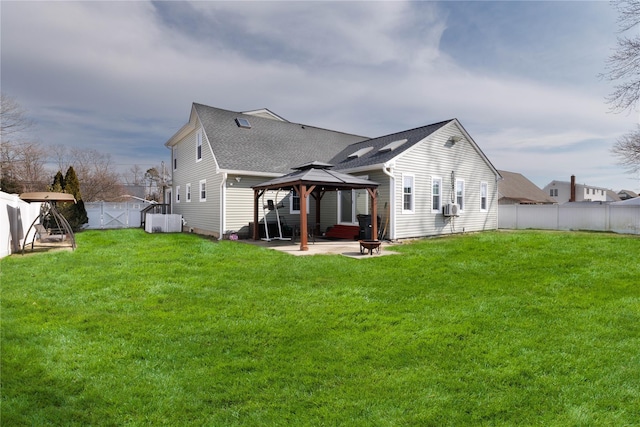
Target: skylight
column 392, row 145
column 361, row 152
column 243, row 123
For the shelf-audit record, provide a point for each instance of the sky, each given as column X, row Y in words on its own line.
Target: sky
column 522, row 77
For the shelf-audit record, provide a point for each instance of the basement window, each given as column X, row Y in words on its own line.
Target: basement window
column 243, row 123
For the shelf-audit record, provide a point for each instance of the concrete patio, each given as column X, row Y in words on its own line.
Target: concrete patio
column 349, row 248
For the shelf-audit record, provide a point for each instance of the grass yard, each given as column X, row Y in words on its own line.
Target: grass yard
column 496, row 328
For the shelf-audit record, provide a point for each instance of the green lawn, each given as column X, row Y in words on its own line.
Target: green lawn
column 497, row 328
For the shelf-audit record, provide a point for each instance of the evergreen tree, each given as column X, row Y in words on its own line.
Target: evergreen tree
column 76, row 214
column 58, row 183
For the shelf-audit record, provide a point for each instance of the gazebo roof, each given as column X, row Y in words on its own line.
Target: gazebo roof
column 317, row 173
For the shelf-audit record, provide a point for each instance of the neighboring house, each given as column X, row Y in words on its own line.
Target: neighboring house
column 569, row 191
column 219, row 155
column 612, row 196
column 626, row 194
column 515, row 189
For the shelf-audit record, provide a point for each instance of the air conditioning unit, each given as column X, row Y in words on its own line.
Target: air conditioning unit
column 451, row 209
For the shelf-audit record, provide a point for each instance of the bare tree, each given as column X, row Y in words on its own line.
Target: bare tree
column 623, row 67
column 21, row 160
column 627, row 150
column 96, row 173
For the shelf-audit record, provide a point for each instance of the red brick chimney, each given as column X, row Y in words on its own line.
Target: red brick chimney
column 573, row 189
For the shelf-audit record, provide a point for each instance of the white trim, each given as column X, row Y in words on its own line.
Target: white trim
column 223, row 198
column 202, row 181
column 177, row 194
column 433, row 180
column 187, row 191
column 412, row 194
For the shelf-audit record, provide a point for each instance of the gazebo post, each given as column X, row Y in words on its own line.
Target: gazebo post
column 256, row 198
column 374, row 213
column 303, row 218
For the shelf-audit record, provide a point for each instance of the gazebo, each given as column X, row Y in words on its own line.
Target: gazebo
column 314, row 179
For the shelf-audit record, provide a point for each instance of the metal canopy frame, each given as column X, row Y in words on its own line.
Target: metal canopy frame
column 315, row 179
column 48, row 209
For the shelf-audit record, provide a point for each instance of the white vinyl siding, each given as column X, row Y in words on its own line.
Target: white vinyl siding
column 433, row 159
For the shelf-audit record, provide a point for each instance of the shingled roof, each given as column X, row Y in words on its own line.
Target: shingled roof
column 270, row 146
column 380, row 150
column 515, row 188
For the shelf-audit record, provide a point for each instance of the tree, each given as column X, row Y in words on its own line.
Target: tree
column 58, row 183
column 623, row 67
column 95, row 171
column 21, row 160
column 627, row 150
column 75, row 213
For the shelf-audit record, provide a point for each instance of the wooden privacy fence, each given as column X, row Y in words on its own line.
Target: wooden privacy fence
column 571, row 216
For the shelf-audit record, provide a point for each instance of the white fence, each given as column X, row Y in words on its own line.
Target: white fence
column 162, row 223
column 571, row 216
column 16, row 216
column 114, row 215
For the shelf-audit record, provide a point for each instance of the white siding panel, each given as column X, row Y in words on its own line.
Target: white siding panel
column 436, row 157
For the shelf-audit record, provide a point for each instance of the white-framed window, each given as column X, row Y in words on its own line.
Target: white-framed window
column 198, row 145
column 175, row 158
column 177, row 194
column 460, row 193
column 436, row 194
column 484, row 192
column 408, row 193
column 294, row 202
column 203, row 190
column 187, row 189
column 553, row 192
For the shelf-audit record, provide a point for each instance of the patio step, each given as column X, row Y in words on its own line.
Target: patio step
column 350, row 232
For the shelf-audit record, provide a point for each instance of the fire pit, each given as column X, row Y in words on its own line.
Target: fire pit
column 370, row 245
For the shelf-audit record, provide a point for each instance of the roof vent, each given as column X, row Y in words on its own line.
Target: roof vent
column 392, row 145
column 361, row 152
column 243, row 123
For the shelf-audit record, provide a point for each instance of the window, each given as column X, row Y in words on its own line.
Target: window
column 460, row 193
column 553, row 192
column 177, row 194
column 484, row 191
column 392, row 145
column 294, row 203
column 188, row 191
column 407, row 193
column 203, row 190
column 361, row 152
column 436, row 194
column 199, row 145
column 243, row 123
column 175, row 159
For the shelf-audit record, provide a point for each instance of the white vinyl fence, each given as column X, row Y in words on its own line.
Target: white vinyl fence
column 16, row 216
column 571, row 216
column 114, row 215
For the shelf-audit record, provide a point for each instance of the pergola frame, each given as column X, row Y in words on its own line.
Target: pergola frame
column 314, row 179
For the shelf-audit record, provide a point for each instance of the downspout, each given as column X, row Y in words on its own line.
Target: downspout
column 223, row 196
column 387, row 169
